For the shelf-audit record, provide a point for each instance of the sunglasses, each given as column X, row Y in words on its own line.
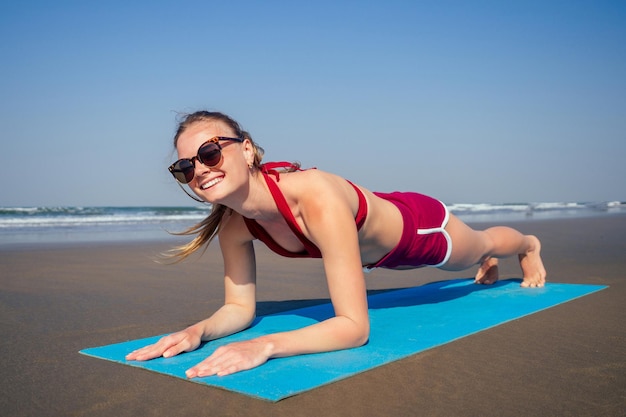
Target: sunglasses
column 209, row 154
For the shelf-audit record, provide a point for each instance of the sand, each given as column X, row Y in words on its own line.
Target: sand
column 55, row 300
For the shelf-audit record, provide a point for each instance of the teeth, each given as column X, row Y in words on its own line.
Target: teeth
column 211, row 183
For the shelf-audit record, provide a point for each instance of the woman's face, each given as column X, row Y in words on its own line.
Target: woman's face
column 218, row 183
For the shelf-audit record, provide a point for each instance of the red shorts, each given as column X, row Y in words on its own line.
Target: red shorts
column 424, row 241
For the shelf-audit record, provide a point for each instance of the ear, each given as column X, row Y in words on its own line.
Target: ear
column 248, row 152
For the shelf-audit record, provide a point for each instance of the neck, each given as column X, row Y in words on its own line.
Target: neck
column 256, row 202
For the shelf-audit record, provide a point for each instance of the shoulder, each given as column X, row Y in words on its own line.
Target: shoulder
column 313, row 187
column 311, row 181
column 316, row 194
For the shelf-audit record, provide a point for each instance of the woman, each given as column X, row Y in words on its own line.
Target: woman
column 311, row 213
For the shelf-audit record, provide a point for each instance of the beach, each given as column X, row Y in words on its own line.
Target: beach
column 56, row 299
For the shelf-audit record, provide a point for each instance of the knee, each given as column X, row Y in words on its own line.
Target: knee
column 488, row 241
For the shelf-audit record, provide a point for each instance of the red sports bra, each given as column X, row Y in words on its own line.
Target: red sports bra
column 310, row 250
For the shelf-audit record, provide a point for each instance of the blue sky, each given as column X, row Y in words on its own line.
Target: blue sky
column 469, row 101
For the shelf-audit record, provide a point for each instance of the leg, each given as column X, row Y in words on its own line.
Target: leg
column 470, row 247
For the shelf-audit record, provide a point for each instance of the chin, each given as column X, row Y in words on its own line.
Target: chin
column 210, row 196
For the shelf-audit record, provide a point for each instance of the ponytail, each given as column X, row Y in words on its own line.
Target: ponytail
column 206, row 230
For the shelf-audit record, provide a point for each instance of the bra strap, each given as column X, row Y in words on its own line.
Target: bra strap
column 283, row 207
column 269, row 168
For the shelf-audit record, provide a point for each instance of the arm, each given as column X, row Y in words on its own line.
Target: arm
column 332, row 228
column 330, row 225
column 239, row 307
column 238, row 310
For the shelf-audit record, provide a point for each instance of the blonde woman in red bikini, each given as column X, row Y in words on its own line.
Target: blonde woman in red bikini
column 311, row 213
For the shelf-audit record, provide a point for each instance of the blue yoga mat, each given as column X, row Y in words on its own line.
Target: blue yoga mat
column 403, row 322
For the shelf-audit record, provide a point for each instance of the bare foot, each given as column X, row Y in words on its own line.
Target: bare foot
column 487, row 272
column 532, row 265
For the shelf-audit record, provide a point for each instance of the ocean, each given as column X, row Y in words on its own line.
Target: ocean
column 27, row 225
column 20, row 225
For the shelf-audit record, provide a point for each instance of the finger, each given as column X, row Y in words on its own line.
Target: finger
column 145, row 353
column 227, row 360
column 155, row 350
column 200, row 370
column 204, row 370
column 182, row 346
column 148, row 352
column 211, row 365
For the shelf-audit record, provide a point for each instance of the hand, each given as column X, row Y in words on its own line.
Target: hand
column 168, row 346
column 232, row 358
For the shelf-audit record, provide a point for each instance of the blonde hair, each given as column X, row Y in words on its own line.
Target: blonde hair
column 208, row 228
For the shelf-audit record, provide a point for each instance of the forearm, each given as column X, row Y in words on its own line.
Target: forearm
column 229, row 319
column 336, row 333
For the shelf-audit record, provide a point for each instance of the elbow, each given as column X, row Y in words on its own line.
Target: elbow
column 249, row 320
column 355, row 332
column 363, row 339
column 242, row 316
column 362, row 334
column 361, row 342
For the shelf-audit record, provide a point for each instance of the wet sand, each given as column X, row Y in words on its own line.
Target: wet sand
column 55, row 300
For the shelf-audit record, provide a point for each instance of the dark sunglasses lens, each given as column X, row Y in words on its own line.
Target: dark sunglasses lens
column 183, row 171
column 210, row 154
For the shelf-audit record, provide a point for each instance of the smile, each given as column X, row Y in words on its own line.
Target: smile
column 211, row 183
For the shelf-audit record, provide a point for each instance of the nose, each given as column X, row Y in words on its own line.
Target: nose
column 199, row 168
